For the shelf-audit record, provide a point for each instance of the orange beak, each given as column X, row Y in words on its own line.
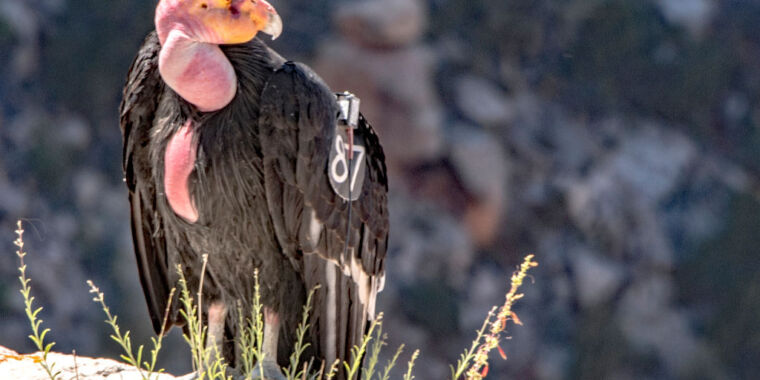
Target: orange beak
column 236, row 21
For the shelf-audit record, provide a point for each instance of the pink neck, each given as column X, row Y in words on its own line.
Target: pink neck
column 198, row 71
column 179, row 163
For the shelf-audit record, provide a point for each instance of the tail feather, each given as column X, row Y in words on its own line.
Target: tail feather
column 339, row 318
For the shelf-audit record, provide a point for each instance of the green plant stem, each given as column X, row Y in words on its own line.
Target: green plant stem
column 123, row 340
column 392, row 363
column 377, row 346
column 357, row 353
column 295, row 357
column 333, row 370
column 31, row 313
column 196, row 332
column 409, row 375
column 479, row 368
column 157, row 341
column 464, row 359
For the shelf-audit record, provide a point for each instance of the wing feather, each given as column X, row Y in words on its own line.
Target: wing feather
column 137, row 111
column 297, row 127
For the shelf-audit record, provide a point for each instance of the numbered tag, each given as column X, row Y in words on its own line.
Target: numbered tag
column 346, row 176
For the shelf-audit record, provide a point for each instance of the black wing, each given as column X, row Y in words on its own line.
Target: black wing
column 137, row 111
column 297, row 127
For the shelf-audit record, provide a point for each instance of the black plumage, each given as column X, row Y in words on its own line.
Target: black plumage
column 260, row 185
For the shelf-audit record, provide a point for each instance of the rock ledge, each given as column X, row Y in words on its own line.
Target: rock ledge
column 16, row 366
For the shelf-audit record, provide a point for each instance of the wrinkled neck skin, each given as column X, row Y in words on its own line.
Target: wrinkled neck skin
column 191, row 62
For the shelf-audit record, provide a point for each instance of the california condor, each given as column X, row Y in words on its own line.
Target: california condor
column 232, row 151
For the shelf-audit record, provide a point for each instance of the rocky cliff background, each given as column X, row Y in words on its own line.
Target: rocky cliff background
column 617, row 140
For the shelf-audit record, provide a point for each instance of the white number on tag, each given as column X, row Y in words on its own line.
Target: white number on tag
column 339, row 164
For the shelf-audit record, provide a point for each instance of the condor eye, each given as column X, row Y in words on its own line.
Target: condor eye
column 204, row 6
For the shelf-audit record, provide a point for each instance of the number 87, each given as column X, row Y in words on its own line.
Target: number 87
column 339, row 162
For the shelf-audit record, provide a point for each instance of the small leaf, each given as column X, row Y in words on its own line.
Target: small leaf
column 501, row 352
column 484, row 371
column 515, row 319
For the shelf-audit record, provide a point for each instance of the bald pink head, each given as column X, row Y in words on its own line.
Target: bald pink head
column 190, row 31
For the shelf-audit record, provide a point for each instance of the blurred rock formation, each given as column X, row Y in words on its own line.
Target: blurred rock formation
column 378, row 56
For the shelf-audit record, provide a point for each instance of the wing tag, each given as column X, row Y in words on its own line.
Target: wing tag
column 346, row 167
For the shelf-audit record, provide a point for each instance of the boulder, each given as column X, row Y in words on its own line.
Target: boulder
column 382, row 23
column 481, row 165
column 483, row 101
column 397, row 93
column 28, row 367
column 597, row 278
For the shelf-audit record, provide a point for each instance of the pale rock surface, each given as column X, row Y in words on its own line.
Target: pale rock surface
column 649, row 322
column 427, row 247
column 597, row 278
column 694, row 15
column 12, row 199
column 617, row 202
column 483, row 101
column 14, row 366
column 25, row 24
column 483, row 293
column 72, row 131
column 652, row 160
column 481, row 164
